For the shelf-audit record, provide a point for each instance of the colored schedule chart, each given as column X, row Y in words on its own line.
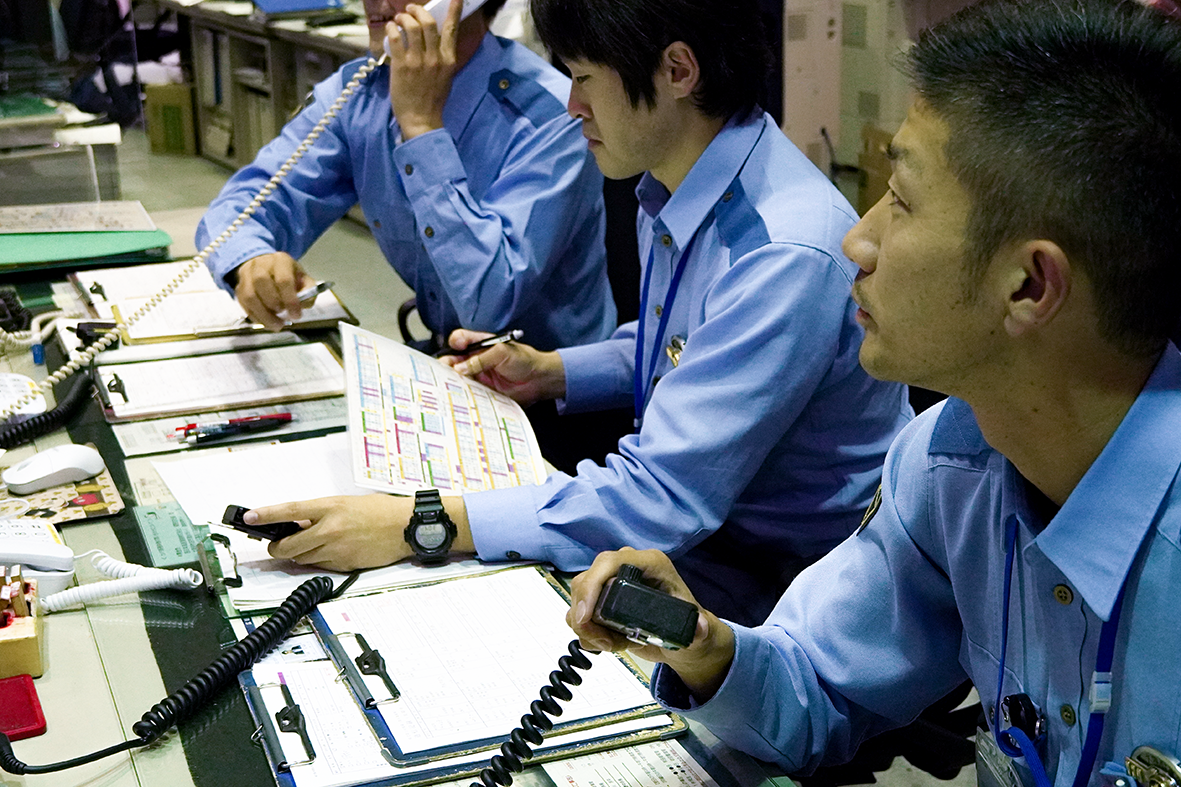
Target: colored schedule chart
column 416, row 424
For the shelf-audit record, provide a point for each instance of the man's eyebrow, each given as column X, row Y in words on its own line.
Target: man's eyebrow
column 897, row 155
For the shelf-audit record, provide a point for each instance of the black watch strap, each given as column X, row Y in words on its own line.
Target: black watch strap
column 430, row 531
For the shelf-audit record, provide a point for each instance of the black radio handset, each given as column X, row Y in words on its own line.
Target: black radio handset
column 627, row 605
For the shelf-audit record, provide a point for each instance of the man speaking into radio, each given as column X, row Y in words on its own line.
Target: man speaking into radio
column 1025, row 261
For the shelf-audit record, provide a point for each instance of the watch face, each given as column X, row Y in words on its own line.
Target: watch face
column 430, row 536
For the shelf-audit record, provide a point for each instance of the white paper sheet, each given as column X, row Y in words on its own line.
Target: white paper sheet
column 656, row 764
column 297, row 470
column 114, row 216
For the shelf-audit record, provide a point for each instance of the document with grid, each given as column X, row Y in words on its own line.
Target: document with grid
column 414, row 423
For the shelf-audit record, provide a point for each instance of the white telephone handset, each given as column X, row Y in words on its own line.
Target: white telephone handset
column 438, row 9
column 48, row 562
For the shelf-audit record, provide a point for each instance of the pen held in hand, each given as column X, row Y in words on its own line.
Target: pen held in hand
column 514, row 335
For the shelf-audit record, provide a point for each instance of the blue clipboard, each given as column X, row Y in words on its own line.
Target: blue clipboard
column 372, row 691
column 288, row 755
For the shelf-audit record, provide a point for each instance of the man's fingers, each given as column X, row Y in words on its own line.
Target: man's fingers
column 309, row 510
column 472, row 366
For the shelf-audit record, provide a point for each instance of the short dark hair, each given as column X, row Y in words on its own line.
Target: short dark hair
column 1065, row 124
column 629, row 36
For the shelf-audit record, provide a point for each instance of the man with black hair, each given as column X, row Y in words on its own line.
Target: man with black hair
column 759, row 437
column 476, row 185
column 1028, row 531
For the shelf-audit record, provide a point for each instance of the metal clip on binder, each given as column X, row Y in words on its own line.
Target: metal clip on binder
column 353, row 669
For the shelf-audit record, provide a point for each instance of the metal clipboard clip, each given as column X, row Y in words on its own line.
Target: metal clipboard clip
column 288, row 719
column 234, row 580
column 353, row 669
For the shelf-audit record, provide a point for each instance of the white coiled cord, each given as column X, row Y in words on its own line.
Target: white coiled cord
column 130, row 578
column 83, row 358
column 39, row 332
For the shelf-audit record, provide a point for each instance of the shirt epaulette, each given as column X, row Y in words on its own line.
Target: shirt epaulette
column 956, row 431
column 740, row 226
column 526, row 96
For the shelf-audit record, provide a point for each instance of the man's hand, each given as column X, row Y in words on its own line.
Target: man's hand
column 421, row 70
column 514, row 369
column 267, row 286
column 702, row 666
column 344, row 533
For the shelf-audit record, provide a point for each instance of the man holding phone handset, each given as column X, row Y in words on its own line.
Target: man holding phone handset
column 476, row 185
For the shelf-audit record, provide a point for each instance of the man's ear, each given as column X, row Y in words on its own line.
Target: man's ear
column 679, row 68
column 1038, row 281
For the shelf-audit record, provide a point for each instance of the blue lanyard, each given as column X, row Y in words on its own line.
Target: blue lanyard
column 639, row 378
column 1100, row 685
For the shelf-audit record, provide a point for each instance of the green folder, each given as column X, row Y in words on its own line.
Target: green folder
column 30, row 251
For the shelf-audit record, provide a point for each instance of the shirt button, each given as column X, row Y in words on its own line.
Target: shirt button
column 1063, row 595
column 1067, row 714
column 659, row 310
column 429, row 232
column 377, row 223
column 512, row 555
column 729, row 195
column 503, row 84
column 409, row 169
column 666, row 240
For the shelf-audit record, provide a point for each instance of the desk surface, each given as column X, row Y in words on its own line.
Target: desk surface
column 110, row 662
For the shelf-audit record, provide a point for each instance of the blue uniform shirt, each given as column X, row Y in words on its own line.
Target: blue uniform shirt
column 496, row 220
column 768, row 429
column 898, row 615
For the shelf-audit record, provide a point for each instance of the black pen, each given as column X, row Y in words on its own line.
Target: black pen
column 514, row 335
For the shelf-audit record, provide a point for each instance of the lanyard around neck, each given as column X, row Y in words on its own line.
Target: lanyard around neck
column 1100, row 697
column 641, row 380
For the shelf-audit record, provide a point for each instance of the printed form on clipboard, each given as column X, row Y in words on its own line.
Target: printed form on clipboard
column 206, row 383
column 334, row 747
column 197, row 308
column 415, row 424
column 464, row 658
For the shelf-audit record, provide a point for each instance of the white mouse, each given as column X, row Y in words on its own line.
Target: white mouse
column 62, row 464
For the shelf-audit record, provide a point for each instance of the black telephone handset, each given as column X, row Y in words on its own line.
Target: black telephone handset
column 627, row 605
column 272, row 531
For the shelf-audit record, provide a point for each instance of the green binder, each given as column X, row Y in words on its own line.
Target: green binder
column 31, row 251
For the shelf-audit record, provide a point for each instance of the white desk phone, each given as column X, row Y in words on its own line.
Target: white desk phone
column 48, row 562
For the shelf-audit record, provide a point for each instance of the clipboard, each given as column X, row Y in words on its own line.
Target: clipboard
column 446, row 644
column 337, row 748
column 218, row 381
column 198, row 308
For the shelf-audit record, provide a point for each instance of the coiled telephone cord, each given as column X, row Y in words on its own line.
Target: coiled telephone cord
column 191, row 697
column 85, row 357
column 128, row 578
column 535, row 724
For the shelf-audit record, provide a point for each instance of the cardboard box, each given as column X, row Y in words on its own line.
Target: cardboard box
column 169, row 112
